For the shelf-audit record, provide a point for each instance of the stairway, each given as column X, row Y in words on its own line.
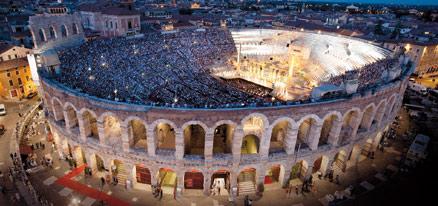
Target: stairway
column 246, row 183
column 121, row 175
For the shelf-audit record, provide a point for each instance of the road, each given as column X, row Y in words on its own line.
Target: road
column 9, row 121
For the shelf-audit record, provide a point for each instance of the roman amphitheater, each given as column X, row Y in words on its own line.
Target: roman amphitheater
column 242, row 141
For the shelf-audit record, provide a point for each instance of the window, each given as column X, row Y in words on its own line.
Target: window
column 15, row 56
column 129, row 25
column 9, row 74
column 27, row 78
column 111, row 23
column 1, row 59
column 75, row 28
column 19, row 81
column 42, row 35
column 17, row 72
column 11, row 83
column 52, row 32
column 9, row 57
column 63, row 31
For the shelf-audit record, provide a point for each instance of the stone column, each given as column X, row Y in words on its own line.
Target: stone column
column 315, row 134
column 207, row 183
column 151, row 141
column 265, row 143
column 260, row 177
column 179, row 183
column 101, row 131
column 208, row 145
column 130, row 175
column 67, row 121
column 84, row 128
column 233, row 185
column 126, row 140
column 237, row 143
column 335, row 132
column 291, row 139
column 356, row 125
column 179, row 144
column 154, row 172
column 285, row 176
column 309, row 171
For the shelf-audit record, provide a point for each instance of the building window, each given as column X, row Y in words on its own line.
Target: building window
column 11, row 83
column 63, row 31
column 129, row 25
column 75, row 28
column 42, row 35
column 1, row 59
column 52, row 32
column 15, row 56
column 9, row 57
column 17, row 72
column 27, row 78
column 111, row 24
column 19, row 81
column 9, row 74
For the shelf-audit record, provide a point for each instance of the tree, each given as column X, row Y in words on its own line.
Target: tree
column 378, row 28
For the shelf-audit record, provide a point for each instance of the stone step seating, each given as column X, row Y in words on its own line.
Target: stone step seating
column 246, row 188
column 121, row 175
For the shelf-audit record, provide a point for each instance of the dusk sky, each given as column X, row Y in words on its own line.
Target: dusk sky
column 412, row 2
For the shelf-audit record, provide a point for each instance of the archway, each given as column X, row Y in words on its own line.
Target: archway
column 137, row 133
column 366, row 149
column 194, row 140
column 52, row 32
column 97, row 163
column 165, row 137
column 379, row 113
column 246, row 182
column 90, row 125
column 118, row 170
column 142, row 174
column 367, row 119
column 254, row 125
column 57, row 111
column 193, row 180
column 220, row 183
column 304, row 131
column 250, row 144
column 79, row 156
column 321, row 165
column 223, row 139
column 299, row 170
column 350, row 121
column 355, row 155
column 167, row 178
column 63, row 31
column 340, row 161
column 112, row 131
column 278, row 136
column 327, row 129
column 75, row 28
column 72, row 119
column 273, row 175
column 42, row 35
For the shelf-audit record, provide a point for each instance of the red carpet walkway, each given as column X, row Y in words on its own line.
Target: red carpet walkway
column 88, row 191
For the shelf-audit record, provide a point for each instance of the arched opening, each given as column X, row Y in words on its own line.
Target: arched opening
column 298, row 172
column 165, row 137
column 348, row 125
column 142, row 174
column 321, row 165
column 356, row 154
column 327, row 129
column 246, row 182
column 75, row 28
column 90, row 125
column 118, row 171
column 366, row 149
column 79, row 156
column 97, row 163
column 52, row 32
column 137, row 133
column 254, row 125
column 304, row 131
column 273, row 175
column 278, row 136
column 63, row 31
column 367, row 119
column 167, row 178
column 194, row 140
column 49, row 106
column 220, row 182
column 223, row 139
column 193, row 180
column 72, row 119
column 389, row 107
column 379, row 114
column 42, row 35
column 57, row 111
column 340, row 161
column 250, row 144
column 112, row 131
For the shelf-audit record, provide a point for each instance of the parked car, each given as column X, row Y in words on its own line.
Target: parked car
column 2, row 109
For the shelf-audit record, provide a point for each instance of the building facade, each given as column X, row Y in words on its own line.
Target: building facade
column 15, row 79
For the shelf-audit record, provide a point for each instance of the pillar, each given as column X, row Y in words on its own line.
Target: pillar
column 237, row 143
column 315, row 134
column 151, row 141
column 126, row 138
column 335, row 131
column 291, row 139
column 84, row 128
column 208, row 146
column 67, row 121
column 101, row 131
column 179, row 144
column 265, row 143
column 154, row 172
column 130, row 174
column 179, row 183
column 207, row 183
column 356, row 124
column 284, row 176
column 233, row 185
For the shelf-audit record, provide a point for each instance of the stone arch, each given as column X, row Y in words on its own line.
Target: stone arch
column 330, row 128
column 250, row 144
column 89, row 123
column 118, row 171
column 48, row 104
column 389, row 106
column 394, row 105
column 255, row 123
column 97, row 163
column 71, row 116
column 143, row 174
column 194, row 133
column 79, row 155
column 299, row 170
column 64, row 31
column 193, row 179
column 223, row 136
column 221, row 178
column 112, row 131
column 52, row 32
column 340, row 161
column 58, row 111
column 165, row 136
column 367, row 117
column 321, row 164
column 380, row 112
column 42, row 35
column 274, row 174
column 167, row 177
column 137, row 132
column 281, row 135
column 350, row 122
column 246, row 181
column 307, row 131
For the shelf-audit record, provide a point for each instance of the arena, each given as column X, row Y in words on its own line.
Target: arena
column 188, row 110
